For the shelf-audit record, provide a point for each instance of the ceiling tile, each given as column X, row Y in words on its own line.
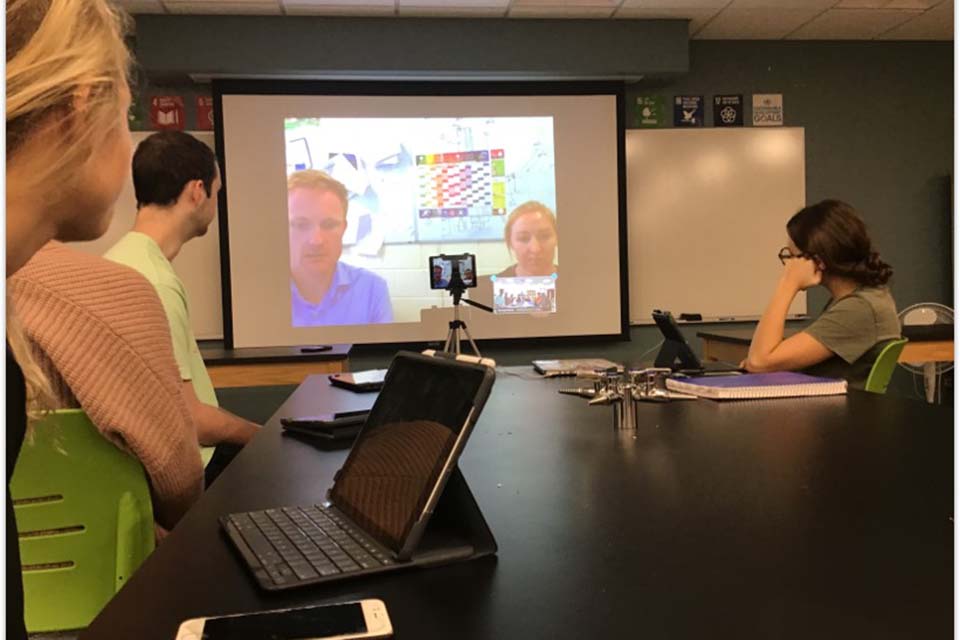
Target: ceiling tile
column 671, row 5
column 538, row 11
column 754, row 24
column 851, row 24
column 697, row 17
column 886, row 4
column 378, row 8
column 142, row 6
column 861, row 4
column 935, row 24
column 233, row 7
column 914, row 4
column 454, row 4
column 358, row 4
column 565, row 4
column 810, row 5
column 451, row 12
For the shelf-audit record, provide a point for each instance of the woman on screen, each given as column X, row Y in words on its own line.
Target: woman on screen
column 68, row 152
column 829, row 246
column 531, row 236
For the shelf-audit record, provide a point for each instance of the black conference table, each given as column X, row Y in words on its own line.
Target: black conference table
column 816, row 517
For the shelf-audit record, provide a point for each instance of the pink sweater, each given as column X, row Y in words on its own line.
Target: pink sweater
column 101, row 335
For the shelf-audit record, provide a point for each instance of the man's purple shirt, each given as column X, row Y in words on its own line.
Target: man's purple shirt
column 356, row 296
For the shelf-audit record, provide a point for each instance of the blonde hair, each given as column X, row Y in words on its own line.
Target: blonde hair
column 67, row 66
column 530, row 206
column 41, row 396
column 314, row 179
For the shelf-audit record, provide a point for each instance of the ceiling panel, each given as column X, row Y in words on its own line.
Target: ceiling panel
column 697, row 17
column 672, row 5
column 886, row 4
column 142, row 6
column 861, row 4
column 298, row 8
column 935, row 24
column 360, row 5
column 851, row 24
column 565, row 4
column 913, row 4
column 455, row 4
column 451, row 12
column 231, row 7
column 709, row 19
column 811, row 5
column 537, row 11
column 754, row 24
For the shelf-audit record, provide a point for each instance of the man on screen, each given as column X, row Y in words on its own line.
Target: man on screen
column 439, row 282
column 324, row 290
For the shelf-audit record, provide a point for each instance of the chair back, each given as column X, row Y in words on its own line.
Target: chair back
column 883, row 366
column 84, row 519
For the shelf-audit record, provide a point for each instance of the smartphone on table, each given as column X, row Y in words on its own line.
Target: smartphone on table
column 343, row 621
column 360, row 381
column 327, row 426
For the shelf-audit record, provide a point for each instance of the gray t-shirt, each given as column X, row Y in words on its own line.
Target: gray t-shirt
column 855, row 328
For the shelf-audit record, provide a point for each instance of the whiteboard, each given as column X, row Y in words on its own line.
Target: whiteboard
column 706, row 214
column 197, row 264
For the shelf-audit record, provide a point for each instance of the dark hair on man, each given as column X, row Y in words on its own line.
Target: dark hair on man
column 165, row 162
column 832, row 232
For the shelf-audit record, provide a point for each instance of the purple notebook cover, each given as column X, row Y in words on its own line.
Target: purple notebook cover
column 776, row 379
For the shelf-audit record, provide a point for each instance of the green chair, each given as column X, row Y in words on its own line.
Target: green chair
column 84, row 518
column 883, row 366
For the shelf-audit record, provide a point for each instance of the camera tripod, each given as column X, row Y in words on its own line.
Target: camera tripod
column 452, row 343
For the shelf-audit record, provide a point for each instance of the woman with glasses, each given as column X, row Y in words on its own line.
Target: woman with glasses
column 828, row 246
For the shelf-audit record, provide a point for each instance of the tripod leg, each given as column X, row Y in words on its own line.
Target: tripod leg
column 449, row 342
column 473, row 344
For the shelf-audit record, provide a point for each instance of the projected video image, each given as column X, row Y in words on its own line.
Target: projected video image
column 370, row 199
column 441, row 271
column 525, row 295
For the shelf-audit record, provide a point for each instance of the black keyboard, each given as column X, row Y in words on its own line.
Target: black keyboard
column 290, row 546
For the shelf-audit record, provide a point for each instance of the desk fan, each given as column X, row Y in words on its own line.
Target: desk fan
column 927, row 320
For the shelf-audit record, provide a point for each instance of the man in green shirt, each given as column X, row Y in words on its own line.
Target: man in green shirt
column 176, row 180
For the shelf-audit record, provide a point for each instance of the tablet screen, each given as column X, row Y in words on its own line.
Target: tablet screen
column 398, row 457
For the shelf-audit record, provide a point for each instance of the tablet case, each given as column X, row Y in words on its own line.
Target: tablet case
column 457, row 529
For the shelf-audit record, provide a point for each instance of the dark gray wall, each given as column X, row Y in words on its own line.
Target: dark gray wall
column 388, row 47
column 879, row 134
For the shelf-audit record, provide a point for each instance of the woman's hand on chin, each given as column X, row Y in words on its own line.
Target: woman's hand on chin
column 802, row 273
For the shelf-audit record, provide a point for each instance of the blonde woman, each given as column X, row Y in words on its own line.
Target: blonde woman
column 531, row 236
column 68, row 151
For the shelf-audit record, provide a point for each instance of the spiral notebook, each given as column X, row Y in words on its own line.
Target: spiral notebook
column 780, row 384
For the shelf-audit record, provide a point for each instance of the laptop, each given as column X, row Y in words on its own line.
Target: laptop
column 384, row 495
column 677, row 354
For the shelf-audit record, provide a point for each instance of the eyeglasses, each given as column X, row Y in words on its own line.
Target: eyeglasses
column 785, row 254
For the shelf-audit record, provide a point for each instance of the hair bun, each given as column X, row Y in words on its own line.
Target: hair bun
column 877, row 272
